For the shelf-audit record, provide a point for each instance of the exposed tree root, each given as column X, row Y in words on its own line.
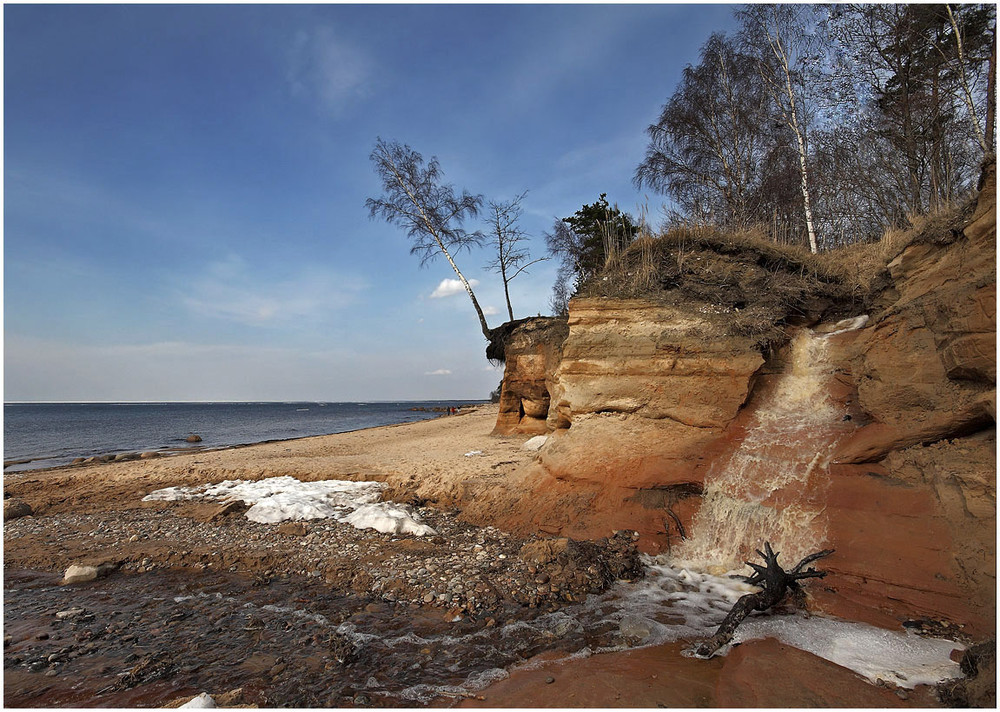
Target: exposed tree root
column 774, row 581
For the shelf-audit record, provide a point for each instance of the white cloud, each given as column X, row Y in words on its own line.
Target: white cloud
column 490, row 311
column 439, row 372
column 328, row 69
column 451, row 287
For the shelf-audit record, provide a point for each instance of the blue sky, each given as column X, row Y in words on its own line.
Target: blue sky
column 184, row 186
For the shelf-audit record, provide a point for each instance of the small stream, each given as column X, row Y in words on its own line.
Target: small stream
column 144, row 640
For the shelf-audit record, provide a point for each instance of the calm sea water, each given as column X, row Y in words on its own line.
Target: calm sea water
column 50, row 434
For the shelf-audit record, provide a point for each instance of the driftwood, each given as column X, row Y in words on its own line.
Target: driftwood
column 774, row 581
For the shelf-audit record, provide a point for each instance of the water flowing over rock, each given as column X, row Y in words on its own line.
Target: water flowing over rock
column 773, row 487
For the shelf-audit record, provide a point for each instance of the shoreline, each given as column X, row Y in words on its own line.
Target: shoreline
column 169, row 451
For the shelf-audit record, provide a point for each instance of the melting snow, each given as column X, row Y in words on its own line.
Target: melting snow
column 277, row 499
column 676, row 603
column 387, row 518
column 202, row 701
column 899, row 657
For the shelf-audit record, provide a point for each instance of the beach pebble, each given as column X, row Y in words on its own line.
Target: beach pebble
column 79, row 574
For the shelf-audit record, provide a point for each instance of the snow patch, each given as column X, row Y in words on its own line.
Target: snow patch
column 899, row 657
column 278, row 499
column 202, row 701
column 674, row 603
column 388, row 518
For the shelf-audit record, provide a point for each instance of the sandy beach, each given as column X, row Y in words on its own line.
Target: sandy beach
column 465, row 579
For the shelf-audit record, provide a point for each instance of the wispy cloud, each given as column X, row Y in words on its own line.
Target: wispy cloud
column 451, row 287
column 231, row 290
column 490, row 311
column 328, row 69
column 439, row 372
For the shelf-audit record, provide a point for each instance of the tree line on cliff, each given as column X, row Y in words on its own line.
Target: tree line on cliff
column 824, row 125
column 814, row 125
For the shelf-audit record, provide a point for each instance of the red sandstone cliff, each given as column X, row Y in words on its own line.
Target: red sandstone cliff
column 642, row 396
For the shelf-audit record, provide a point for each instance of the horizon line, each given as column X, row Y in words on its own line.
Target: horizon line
column 151, row 402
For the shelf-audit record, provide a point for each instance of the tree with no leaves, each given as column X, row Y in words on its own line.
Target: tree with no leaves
column 777, row 35
column 506, row 234
column 431, row 213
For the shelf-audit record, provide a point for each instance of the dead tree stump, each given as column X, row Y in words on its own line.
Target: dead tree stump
column 774, row 582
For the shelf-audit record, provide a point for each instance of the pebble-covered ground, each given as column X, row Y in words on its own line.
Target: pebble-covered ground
column 300, row 609
column 464, row 567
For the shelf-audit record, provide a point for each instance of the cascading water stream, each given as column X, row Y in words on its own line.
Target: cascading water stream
column 772, row 488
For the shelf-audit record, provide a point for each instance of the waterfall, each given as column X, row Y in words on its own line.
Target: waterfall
column 773, row 487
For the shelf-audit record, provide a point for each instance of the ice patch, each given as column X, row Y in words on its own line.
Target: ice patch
column 672, row 604
column 202, row 701
column 388, row 518
column 902, row 658
column 278, row 499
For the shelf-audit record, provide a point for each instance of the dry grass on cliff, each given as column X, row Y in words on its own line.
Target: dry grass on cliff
column 743, row 279
column 863, row 266
column 754, row 285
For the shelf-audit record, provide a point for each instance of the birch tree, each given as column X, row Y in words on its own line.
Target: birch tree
column 431, row 212
column 777, row 35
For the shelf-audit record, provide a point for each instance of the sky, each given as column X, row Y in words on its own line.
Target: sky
column 184, row 185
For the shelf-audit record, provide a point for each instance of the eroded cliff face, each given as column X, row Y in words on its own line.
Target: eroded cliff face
column 640, row 395
column 645, row 397
column 913, row 495
column 533, row 353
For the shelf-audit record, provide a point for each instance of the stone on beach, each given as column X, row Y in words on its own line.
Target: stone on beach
column 14, row 508
column 80, row 573
column 535, row 444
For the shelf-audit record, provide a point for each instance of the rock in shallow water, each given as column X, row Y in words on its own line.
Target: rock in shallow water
column 79, row 574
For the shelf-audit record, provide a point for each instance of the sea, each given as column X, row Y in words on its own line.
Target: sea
column 38, row 435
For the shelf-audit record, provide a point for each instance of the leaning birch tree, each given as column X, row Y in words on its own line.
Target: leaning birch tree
column 778, row 35
column 431, row 212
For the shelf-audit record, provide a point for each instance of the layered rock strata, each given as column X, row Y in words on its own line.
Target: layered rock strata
column 533, row 352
